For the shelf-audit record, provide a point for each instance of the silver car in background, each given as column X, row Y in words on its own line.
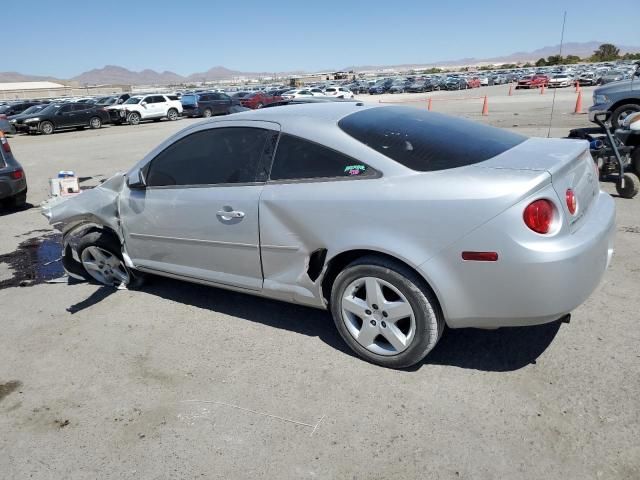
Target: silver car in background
column 398, row 220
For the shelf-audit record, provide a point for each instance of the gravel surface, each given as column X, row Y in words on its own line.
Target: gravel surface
column 185, row 381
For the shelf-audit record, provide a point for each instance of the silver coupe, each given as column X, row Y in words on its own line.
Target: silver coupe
column 398, row 220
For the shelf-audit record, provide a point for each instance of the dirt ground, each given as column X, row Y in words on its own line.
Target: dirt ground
column 184, row 381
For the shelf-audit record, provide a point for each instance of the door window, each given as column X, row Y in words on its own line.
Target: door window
column 215, row 156
column 297, row 158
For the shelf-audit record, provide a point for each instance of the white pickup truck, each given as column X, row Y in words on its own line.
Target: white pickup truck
column 146, row 107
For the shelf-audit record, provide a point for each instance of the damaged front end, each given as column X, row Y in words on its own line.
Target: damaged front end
column 94, row 209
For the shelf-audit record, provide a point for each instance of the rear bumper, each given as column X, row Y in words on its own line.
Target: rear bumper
column 191, row 112
column 534, row 281
column 9, row 188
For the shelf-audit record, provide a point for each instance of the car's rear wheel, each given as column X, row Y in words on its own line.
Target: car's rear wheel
column 47, row 128
column 134, row 118
column 95, row 123
column 385, row 312
column 172, row 114
column 101, row 259
column 623, row 111
column 207, row 113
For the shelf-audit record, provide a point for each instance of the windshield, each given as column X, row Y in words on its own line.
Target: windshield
column 133, row 101
column 34, row 109
column 50, row 108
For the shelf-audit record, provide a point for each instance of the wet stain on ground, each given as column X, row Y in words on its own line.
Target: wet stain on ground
column 8, row 388
column 35, row 261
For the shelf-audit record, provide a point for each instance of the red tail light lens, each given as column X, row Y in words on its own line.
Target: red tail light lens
column 5, row 143
column 17, row 175
column 539, row 215
column 572, row 202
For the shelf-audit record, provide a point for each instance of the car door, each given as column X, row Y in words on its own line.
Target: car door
column 149, row 108
column 82, row 112
column 217, row 104
column 197, row 218
column 225, row 103
column 65, row 116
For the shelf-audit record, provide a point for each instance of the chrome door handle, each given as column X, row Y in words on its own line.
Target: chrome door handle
column 231, row 214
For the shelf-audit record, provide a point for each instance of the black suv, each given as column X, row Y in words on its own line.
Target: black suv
column 16, row 108
column 58, row 116
column 205, row 104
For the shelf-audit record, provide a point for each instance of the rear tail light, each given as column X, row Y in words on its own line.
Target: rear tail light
column 17, row 175
column 5, row 143
column 3, row 116
column 480, row 256
column 538, row 216
column 572, row 202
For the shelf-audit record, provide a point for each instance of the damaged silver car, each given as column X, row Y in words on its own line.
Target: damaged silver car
column 399, row 221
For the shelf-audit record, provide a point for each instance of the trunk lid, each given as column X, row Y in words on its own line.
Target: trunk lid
column 568, row 162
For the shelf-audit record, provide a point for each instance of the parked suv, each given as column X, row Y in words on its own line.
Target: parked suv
column 205, row 104
column 13, row 183
column 620, row 98
column 58, row 116
column 146, row 107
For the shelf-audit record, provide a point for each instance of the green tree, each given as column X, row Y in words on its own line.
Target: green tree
column 527, row 65
column 554, row 60
column 541, row 62
column 606, row 52
column 569, row 59
column 631, row 56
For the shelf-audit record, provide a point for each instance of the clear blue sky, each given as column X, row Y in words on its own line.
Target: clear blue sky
column 64, row 38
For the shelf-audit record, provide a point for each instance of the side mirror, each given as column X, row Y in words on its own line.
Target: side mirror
column 136, row 180
column 144, row 104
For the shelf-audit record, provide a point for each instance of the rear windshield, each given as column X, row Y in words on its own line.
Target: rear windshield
column 427, row 141
column 188, row 100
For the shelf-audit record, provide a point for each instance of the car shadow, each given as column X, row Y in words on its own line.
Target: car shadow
column 501, row 350
column 7, row 210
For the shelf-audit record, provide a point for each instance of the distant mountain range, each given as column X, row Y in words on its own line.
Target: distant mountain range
column 112, row 74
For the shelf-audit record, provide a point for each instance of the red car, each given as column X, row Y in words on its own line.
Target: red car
column 473, row 82
column 258, row 100
column 533, row 81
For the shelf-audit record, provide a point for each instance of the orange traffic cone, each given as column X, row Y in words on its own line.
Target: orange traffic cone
column 577, row 86
column 510, row 89
column 485, row 107
column 429, row 104
column 542, row 90
column 578, row 108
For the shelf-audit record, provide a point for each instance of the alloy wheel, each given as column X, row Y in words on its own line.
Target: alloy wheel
column 104, row 266
column 378, row 316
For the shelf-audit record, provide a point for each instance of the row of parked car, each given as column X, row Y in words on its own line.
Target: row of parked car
column 48, row 116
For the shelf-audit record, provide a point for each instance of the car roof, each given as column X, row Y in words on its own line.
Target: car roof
column 291, row 116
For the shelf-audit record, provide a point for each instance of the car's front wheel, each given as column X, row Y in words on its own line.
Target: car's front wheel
column 385, row 312
column 95, row 123
column 47, row 128
column 134, row 118
column 622, row 112
column 101, row 260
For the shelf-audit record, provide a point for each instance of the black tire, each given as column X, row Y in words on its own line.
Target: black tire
column 134, row 118
column 428, row 317
column 95, row 123
column 630, row 189
column 623, row 111
column 172, row 115
column 207, row 113
column 635, row 160
column 106, row 241
column 47, row 127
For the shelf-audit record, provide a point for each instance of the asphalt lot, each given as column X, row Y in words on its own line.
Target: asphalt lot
column 183, row 381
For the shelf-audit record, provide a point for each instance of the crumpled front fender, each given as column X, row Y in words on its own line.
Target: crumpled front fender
column 98, row 206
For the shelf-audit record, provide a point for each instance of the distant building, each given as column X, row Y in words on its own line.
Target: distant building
column 14, row 90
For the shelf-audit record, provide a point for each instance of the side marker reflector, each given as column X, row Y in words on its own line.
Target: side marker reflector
column 480, row 256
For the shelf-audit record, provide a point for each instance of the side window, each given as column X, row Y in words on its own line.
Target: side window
column 159, row 99
column 65, row 109
column 224, row 96
column 147, row 100
column 300, row 159
column 209, row 157
column 80, row 107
